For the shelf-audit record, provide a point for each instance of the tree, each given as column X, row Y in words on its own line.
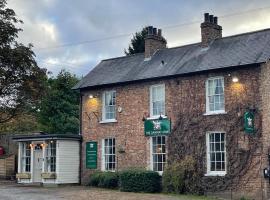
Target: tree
column 137, row 42
column 59, row 109
column 21, row 80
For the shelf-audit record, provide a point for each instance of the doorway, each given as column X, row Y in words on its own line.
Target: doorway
column 38, row 161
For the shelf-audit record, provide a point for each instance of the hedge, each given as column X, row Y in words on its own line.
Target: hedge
column 139, row 180
column 104, row 180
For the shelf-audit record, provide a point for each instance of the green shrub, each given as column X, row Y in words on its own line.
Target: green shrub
column 104, row 179
column 181, row 177
column 139, row 180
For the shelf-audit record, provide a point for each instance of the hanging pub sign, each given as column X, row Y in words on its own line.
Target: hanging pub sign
column 157, row 127
column 249, row 125
column 91, row 155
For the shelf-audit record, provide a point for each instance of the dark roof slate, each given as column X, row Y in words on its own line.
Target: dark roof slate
column 243, row 49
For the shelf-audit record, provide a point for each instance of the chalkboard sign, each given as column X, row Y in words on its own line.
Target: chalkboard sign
column 91, row 155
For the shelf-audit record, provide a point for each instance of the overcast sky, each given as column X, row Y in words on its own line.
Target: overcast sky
column 51, row 23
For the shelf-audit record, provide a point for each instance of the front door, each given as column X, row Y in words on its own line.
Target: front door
column 38, row 160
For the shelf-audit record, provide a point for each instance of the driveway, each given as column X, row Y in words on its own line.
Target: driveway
column 12, row 191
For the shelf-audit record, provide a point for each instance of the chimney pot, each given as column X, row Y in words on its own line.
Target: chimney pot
column 215, row 20
column 154, row 31
column 206, row 17
column 159, row 32
column 211, row 17
column 150, row 30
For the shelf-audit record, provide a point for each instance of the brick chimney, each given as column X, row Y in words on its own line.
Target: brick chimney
column 210, row 30
column 153, row 42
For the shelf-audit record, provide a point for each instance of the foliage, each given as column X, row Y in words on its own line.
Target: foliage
column 139, row 180
column 180, row 177
column 59, row 109
column 104, row 179
column 24, row 123
column 137, row 42
column 21, row 80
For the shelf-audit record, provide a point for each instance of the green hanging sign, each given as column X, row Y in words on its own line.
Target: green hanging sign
column 249, row 125
column 91, row 155
column 157, row 127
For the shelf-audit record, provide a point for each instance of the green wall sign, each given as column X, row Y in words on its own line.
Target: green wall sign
column 157, row 127
column 91, row 155
column 249, row 125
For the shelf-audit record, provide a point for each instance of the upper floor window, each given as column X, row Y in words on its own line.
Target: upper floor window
column 157, row 100
column 215, row 95
column 216, row 153
column 108, row 105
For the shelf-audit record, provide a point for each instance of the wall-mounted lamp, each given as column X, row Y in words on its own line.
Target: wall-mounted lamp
column 235, row 79
column 91, row 96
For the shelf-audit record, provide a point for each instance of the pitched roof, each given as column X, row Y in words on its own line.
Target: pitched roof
column 237, row 50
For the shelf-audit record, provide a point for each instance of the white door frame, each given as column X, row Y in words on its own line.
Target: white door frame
column 33, row 162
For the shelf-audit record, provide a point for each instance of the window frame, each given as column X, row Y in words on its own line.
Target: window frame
column 152, row 153
column 48, row 157
column 103, row 168
column 209, row 172
column 151, row 100
column 208, row 112
column 104, row 120
column 25, row 156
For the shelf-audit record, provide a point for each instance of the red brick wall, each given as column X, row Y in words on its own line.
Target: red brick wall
column 183, row 95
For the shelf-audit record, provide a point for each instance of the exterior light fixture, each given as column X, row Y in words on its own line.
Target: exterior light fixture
column 235, row 79
column 91, row 96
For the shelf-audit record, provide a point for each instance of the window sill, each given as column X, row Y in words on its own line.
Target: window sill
column 108, row 121
column 157, row 117
column 215, row 113
column 215, row 174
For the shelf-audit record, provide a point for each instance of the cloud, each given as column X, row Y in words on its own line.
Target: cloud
column 51, row 23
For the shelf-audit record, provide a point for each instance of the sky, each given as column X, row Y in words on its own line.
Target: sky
column 77, row 34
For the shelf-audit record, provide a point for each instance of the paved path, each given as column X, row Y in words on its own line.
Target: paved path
column 11, row 191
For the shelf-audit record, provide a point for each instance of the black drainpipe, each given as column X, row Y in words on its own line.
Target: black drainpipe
column 80, row 133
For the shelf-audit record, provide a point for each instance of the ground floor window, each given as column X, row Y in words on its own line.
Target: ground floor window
column 51, row 156
column 216, row 153
column 158, row 146
column 109, row 162
column 26, row 157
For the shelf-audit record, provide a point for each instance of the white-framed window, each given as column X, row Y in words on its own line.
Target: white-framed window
column 51, row 156
column 157, row 100
column 215, row 102
column 158, row 153
column 26, row 157
column 216, row 153
column 109, row 161
column 108, row 112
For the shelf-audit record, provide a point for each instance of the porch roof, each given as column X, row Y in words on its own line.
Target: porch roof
column 44, row 136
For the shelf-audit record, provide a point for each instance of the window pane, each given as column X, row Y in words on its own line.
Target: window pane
column 158, row 100
column 215, row 94
column 158, row 152
column 109, row 154
column 217, row 152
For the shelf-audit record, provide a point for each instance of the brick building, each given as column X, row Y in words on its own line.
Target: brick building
column 215, row 96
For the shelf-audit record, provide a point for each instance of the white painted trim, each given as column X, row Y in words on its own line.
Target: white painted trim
column 215, row 173
column 157, row 116
column 102, row 155
column 32, row 164
column 151, row 105
column 20, row 158
column 108, row 121
column 208, row 112
column 103, row 108
column 215, row 113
